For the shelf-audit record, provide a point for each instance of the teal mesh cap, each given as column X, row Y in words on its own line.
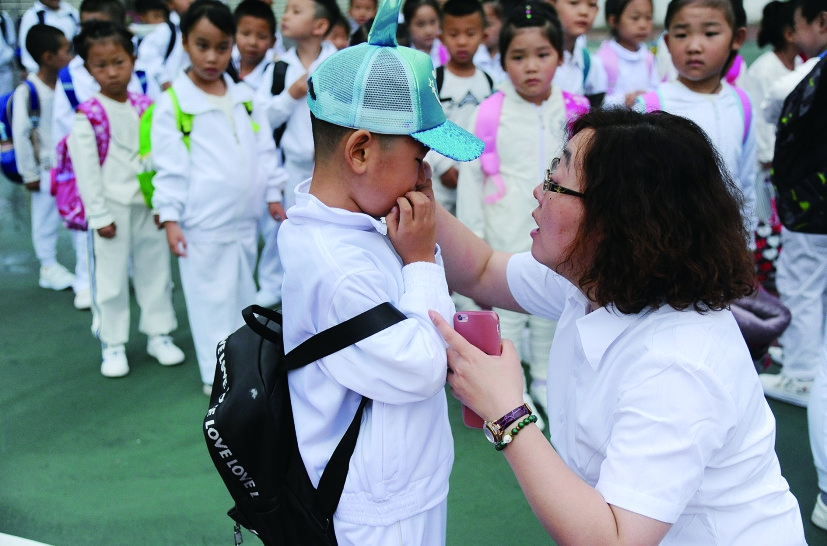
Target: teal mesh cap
column 387, row 89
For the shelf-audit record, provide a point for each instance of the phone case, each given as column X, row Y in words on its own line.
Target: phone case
column 481, row 329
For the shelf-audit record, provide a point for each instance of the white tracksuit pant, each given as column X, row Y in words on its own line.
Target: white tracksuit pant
column 46, row 224
column 137, row 237
column 217, row 279
column 802, row 284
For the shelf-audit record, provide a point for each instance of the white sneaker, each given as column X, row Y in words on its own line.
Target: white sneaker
column 819, row 516
column 267, row 299
column 114, row 362
column 164, row 350
column 539, row 393
column 55, row 277
column 540, row 423
column 83, row 299
column 786, row 389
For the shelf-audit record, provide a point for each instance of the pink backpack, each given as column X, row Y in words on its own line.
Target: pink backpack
column 64, row 183
column 652, row 101
column 488, row 121
column 611, row 61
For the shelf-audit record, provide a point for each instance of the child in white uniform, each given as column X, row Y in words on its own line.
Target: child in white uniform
column 34, row 152
column 209, row 195
column 630, row 66
column 341, row 259
column 161, row 54
column 531, row 131
column 701, row 95
column 124, row 230
column 306, row 22
column 54, row 13
column 422, row 21
column 255, row 38
column 580, row 72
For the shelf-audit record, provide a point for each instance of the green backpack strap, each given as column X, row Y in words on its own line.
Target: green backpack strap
column 248, row 105
column 184, row 123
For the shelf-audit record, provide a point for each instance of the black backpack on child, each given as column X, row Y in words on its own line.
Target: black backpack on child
column 251, row 435
column 799, row 165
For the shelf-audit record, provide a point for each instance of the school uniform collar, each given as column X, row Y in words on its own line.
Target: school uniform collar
column 627, row 55
column 291, row 56
column 600, row 328
column 576, row 57
column 309, row 207
column 192, row 99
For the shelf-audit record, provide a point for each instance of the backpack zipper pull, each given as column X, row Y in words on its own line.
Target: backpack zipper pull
column 237, row 535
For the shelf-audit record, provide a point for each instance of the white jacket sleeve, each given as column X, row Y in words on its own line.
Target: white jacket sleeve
column 270, row 171
column 83, row 150
column 277, row 107
column 172, row 163
column 21, row 130
column 151, row 53
column 63, row 115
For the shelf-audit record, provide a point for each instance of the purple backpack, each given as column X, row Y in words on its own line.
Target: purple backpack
column 64, row 183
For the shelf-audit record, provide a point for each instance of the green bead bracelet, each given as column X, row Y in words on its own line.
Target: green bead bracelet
column 499, row 446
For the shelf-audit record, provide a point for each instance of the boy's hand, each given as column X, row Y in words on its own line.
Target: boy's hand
column 277, row 211
column 449, row 178
column 412, row 223
column 108, row 232
column 299, row 88
column 175, row 239
column 33, row 186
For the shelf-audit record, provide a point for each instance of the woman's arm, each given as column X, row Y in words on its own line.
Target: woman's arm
column 570, row 510
column 472, row 267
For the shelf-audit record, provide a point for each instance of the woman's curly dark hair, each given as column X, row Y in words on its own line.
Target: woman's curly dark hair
column 662, row 221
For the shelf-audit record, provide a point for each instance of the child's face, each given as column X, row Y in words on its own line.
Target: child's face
column 462, row 36
column 424, row 28
column 51, row 4
column 576, row 16
column 338, row 36
column 111, row 66
column 398, row 170
column 178, row 6
column 530, row 62
column 811, row 38
column 700, row 40
column 153, row 17
column 361, row 11
column 57, row 60
column 209, row 50
column 299, row 20
column 254, row 38
column 635, row 24
column 492, row 31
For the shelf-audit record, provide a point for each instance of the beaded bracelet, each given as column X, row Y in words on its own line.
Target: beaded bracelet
column 507, row 438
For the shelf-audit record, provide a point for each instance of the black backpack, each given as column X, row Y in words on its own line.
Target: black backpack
column 799, row 166
column 251, row 435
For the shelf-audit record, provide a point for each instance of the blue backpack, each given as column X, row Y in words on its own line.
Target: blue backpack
column 8, row 162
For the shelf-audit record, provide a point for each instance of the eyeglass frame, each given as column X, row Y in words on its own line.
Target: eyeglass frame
column 550, row 185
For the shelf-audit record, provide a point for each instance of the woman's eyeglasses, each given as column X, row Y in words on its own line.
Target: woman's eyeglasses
column 548, row 185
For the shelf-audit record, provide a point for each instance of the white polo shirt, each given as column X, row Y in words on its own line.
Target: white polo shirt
column 663, row 414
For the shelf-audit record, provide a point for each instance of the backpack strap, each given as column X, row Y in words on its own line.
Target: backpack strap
column 173, row 36
column 746, row 110
column 488, row 121
column 41, row 16
column 141, row 75
column 610, row 63
column 94, row 112
column 440, row 79
column 34, row 104
column 276, row 88
column 444, row 57
column 182, row 119
column 248, row 105
column 489, row 79
column 734, row 69
column 68, row 87
column 587, row 65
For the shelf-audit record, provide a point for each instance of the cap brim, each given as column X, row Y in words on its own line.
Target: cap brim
column 452, row 141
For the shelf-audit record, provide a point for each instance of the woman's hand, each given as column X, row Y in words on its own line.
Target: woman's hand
column 490, row 385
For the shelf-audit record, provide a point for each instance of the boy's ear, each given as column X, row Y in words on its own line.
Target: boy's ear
column 738, row 38
column 611, row 20
column 358, row 150
column 821, row 19
column 320, row 27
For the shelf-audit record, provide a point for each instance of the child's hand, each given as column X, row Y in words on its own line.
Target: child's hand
column 299, row 88
column 175, row 239
column 108, row 232
column 449, row 178
column 277, row 211
column 33, row 186
column 632, row 97
column 157, row 219
column 412, row 226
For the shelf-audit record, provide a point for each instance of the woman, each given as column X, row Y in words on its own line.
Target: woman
column 660, row 429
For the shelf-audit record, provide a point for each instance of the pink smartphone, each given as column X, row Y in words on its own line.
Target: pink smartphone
column 481, row 329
